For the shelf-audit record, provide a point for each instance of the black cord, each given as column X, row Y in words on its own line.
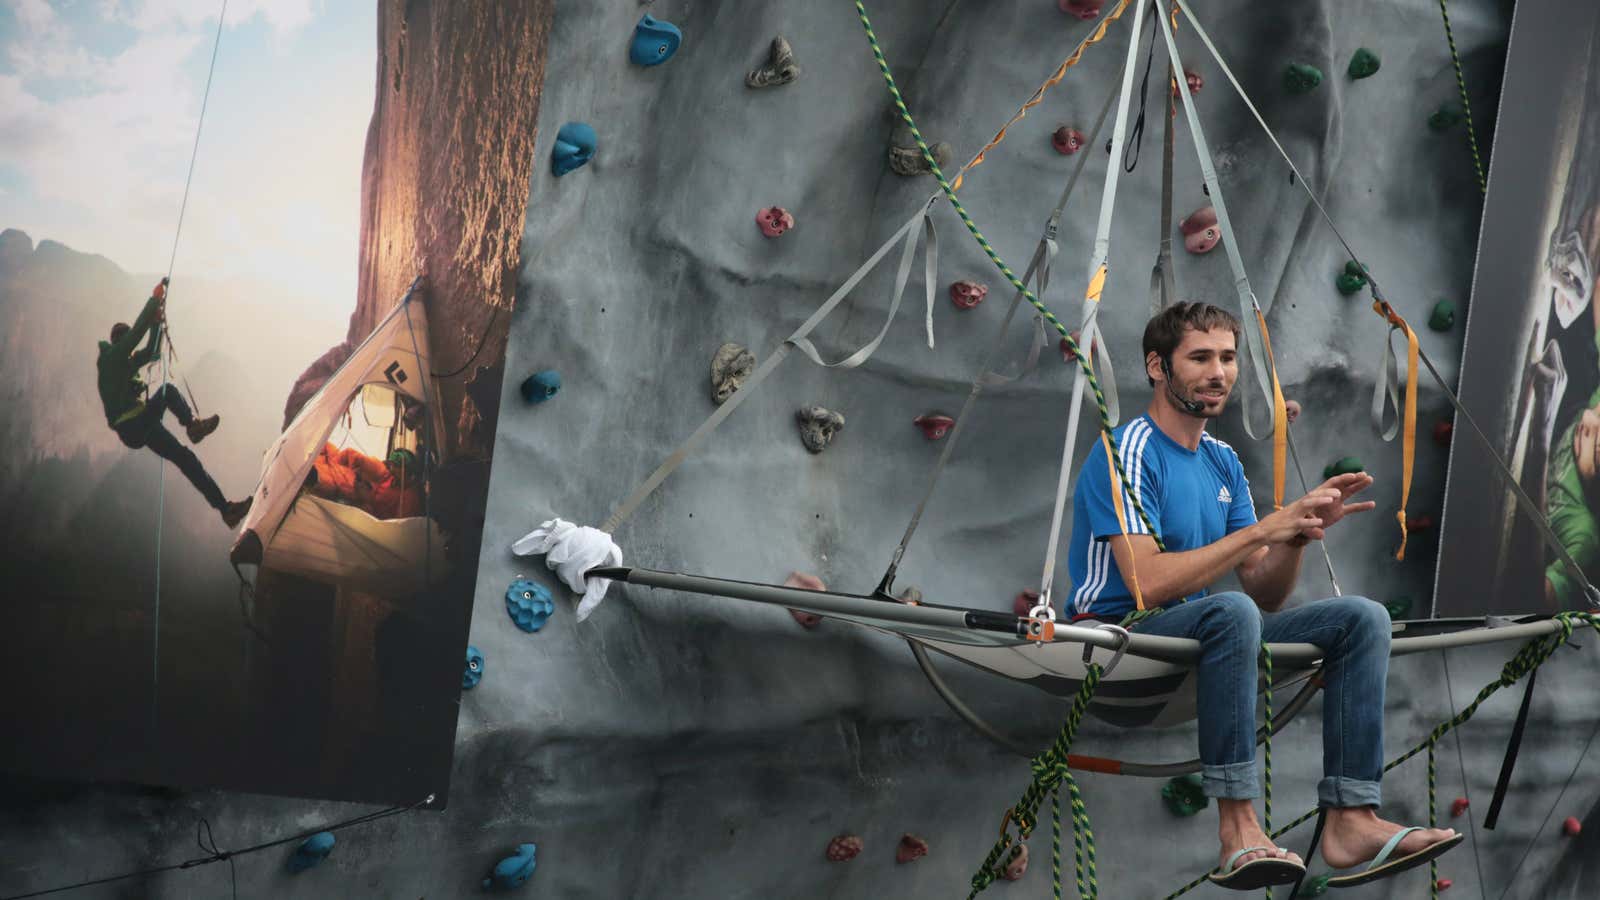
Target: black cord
column 204, row 838
column 1137, row 137
column 482, row 339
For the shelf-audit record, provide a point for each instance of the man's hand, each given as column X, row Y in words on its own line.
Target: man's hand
column 1306, row 515
column 1347, row 485
column 160, row 292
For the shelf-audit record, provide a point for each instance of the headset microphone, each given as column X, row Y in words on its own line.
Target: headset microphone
column 1191, row 407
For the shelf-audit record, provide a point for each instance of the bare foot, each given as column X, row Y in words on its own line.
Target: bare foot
column 1238, row 828
column 1355, row 835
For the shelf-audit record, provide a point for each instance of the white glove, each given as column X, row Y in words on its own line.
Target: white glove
column 571, row 550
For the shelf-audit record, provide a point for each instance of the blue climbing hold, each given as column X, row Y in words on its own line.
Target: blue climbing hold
column 541, row 386
column 474, row 671
column 654, row 41
column 529, row 604
column 513, row 871
column 315, row 849
column 575, row 144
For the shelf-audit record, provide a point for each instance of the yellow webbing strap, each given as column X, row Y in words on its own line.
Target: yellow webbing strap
column 1094, row 37
column 1280, row 419
column 1408, row 438
column 1097, row 284
column 1122, row 522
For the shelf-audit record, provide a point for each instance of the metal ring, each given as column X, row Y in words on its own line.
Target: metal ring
column 1116, row 656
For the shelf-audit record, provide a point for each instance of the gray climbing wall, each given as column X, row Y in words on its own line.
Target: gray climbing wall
column 676, row 746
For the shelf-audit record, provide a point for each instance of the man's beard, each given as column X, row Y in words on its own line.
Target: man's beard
column 1193, row 396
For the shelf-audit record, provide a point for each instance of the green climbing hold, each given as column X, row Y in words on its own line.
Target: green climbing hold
column 1364, row 64
column 1300, row 78
column 1398, row 608
column 1353, row 279
column 1343, row 466
column 1443, row 316
column 1314, row 887
column 1184, row 795
column 1446, row 117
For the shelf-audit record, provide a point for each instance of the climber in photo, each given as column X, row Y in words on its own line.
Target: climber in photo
column 1196, row 502
column 389, row 488
column 136, row 418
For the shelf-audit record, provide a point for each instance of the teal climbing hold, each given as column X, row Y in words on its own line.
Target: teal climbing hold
column 513, row 871
column 654, row 41
column 529, row 604
column 1364, row 64
column 1446, row 117
column 541, row 386
column 575, row 145
column 315, row 849
column 1185, row 795
column 1314, row 887
column 1344, row 465
column 1399, row 608
column 1443, row 316
column 1300, row 78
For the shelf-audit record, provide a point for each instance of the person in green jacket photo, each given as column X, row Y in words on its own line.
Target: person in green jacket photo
column 137, row 419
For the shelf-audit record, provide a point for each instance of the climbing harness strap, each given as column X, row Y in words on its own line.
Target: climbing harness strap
column 1255, row 357
column 1535, row 514
column 648, row 486
column 1163, row 288
column 930, row 257
column 1043, row 255
column 1406, row 416
column 1087, row 338
column 1083, row 358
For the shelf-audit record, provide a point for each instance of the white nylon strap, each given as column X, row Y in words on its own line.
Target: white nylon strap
column 1253, row 354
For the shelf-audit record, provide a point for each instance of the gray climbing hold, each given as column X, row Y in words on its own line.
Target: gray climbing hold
column 731, row 365
column 909, row 160
column 780, row 67
column 818, row 426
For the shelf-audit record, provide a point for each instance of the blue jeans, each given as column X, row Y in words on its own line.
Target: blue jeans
column 1353, row 632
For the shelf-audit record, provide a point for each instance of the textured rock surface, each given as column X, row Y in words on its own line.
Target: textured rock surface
column 717, row 740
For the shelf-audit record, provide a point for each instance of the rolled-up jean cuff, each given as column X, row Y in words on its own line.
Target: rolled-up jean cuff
column 1234, row 781
column 1344, row 792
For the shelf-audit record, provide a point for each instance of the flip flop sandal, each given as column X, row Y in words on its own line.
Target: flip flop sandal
column 1258, row 873
column 1382, row 867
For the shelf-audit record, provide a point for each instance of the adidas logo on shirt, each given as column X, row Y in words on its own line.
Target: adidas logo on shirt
column 1223, row 496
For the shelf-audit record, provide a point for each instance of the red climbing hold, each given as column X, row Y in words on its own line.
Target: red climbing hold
column 1193, row 80
column 1017, row 864
column 967, row 294
column 844, row 847
column 1291, row 408
column 1067, row 141
column 1066, row 349
column 805, row 583
column 1415, row 524
column 1025, row 603
column 1443, row 884
column 1572, row 826
column 1083, row 9
column 911, row 848
column 1441, row 433
column 1200, row 232
column 934, row 425
column 1458, row 807
column 774, row 221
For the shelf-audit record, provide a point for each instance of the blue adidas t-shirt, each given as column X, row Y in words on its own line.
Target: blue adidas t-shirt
column 1193, row 497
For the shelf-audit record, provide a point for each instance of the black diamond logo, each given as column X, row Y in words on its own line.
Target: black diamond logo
column 394, row 373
